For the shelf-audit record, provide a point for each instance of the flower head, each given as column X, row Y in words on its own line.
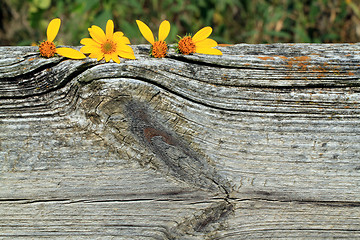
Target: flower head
column 109, row 45
column 48, row 49
column 199, row 43
column 159, row 48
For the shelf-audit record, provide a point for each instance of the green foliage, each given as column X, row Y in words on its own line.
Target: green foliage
column 233, row 21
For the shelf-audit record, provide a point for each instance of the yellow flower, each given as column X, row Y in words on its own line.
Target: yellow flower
column 109, row 45
column 199, row 43
column 48, row 49
column 159, row 48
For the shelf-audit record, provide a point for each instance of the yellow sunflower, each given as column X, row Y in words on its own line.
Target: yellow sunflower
column 199, row 43
column 109, row 45
column 48, row 49
column 159, row 48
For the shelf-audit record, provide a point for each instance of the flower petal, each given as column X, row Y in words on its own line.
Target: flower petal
column 115, row 58
column 90, row 49
column 164, row 30
column 145, row 31
column 211, row 51
column 53, row 29
column 70, row 53
column 118, row 34
column 97, row 34
column 206, row 43
column 127, row 55
column 125, row 51
column 109, row 29
column 202, row 34
column 98, row 55
column 107, row 57
column 89, row 42
column 124, row 40
column 120, row 38
column 124, row 48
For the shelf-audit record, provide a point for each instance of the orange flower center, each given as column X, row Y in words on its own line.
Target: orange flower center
column 186, row 45
column 108, row 47
column 47, row 49
column 159, row 49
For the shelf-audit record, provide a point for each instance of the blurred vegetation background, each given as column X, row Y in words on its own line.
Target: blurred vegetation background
column 233, row 21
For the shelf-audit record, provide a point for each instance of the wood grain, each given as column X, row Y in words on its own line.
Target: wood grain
column 262, row 142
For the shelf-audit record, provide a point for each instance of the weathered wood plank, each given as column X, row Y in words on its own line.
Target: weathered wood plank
column 262, row 142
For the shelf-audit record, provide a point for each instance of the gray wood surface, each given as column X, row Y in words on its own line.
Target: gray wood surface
column 262, row 142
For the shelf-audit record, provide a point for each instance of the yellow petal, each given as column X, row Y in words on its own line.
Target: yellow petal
column 90, row 49
column 206, row 43
column 89, row 42
column 164, row 30
column 120, row 38
column 115, row 58
column 124, row 48
column 70, row 53
column 96, row 51
column 118, row 34
column 97, row 34
column 99, row 55
column 109, row 29
column 124, row 40
column 107, row 57
column 202, row 34
column 127, row 55
column 53, row 29
column 145, row 31
column 206, row 50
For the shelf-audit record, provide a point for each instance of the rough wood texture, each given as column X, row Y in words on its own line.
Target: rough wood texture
column 262, row 142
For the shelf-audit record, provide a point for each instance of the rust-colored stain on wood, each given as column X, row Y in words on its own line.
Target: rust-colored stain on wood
column 266, row 58
column 150, row 132
column 299, row 62
column 302, row 63
column 224, row 77
column 302, row 58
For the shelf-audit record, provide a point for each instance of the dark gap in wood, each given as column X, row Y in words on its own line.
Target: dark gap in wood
column 208, row 64
column 115, row 200
column 13, row 199
column 28, row 75
column 350, row 204
column 61, row 84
